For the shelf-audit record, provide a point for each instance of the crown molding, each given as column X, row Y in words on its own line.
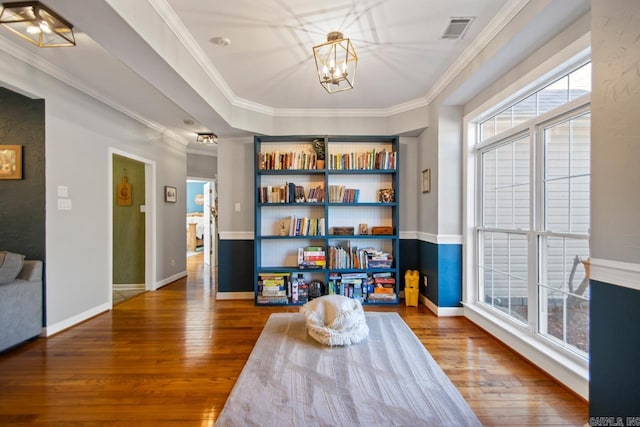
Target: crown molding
column 168, row 15
column 506, row 14
column 174, row 23
column 54, row 71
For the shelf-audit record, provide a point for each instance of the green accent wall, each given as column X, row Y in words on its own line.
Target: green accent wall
column 129, row 223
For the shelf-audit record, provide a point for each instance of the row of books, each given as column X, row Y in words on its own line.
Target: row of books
column 346, row 256
column 303, row 226
column 376, row 287
column 312, row 257
column 289, row 193
column 276, row 160
column 363, row 160
column 341, row 194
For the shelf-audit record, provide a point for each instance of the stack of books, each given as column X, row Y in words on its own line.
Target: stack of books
column 312, row 257
column 272, row 288
column 383, row 287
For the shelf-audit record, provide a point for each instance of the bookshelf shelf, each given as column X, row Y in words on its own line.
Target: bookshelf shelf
column 358, row 189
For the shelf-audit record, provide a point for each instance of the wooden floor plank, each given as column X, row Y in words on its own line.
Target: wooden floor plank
column 171, row 357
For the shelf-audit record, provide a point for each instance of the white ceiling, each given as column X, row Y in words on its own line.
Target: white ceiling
column 154, row 59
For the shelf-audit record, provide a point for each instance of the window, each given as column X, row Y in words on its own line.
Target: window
column 532, row 231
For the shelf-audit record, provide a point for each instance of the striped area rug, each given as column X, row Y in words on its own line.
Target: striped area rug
column 389, row 379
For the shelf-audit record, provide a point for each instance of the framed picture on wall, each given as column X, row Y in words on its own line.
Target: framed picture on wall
column 426, row 180
column 10, row 161
column 170, row 194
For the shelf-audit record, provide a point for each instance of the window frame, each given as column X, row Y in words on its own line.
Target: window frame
column 534, row 128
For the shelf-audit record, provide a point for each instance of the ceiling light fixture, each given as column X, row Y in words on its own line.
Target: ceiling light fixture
column 336, row 62
column 37, row 24
column 207, row 138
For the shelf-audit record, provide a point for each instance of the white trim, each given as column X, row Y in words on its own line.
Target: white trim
column 441, row 239
column 170, row 279
column 441, row 311
column 570, row 372
column 150, row 218
column 234, row 295
column 625, row 274
column 575, row 53
column 127, row 286
column 427, row 237
column 408, row 234
column 236, row 235
column 504, row 16
column 74, row 320
column 56, row 72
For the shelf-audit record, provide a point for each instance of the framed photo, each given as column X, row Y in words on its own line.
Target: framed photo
column 363, row 229
column 10, row 161
column 386, row 195
column 170, row 194
column 426, row 180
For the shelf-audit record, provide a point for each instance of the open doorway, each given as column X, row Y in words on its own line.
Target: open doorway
column 131, row 231
column 202, row 224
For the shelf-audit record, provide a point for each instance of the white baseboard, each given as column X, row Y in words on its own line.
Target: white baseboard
column 127, row 286
column 170, row 279
column 442, row 311
column 234, row 295
column 236, row 235
column 74, row 320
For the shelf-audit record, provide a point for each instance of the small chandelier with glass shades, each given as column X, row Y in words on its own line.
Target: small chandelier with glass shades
column 336, row 63
column 37, row 24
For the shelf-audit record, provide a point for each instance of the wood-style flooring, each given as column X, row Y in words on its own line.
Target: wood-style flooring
column 171, row 357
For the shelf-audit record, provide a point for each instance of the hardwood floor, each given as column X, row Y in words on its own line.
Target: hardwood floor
column 171, row 357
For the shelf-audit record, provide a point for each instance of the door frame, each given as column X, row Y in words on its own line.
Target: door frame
column 150, row 219
column 214, row 228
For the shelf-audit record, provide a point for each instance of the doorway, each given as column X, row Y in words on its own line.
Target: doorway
column 202, row 225
column 131, row 232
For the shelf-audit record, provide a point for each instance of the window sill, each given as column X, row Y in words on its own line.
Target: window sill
column 566, row 368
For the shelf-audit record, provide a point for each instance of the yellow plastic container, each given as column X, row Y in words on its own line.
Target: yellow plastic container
column 411, row 297
column 411, row 290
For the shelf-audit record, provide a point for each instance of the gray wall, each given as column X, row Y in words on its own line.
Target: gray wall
column 202, row 166
column 615, row 198
column 235, row 185
column 79, row 133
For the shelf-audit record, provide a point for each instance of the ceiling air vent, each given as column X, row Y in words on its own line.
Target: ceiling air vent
column 457, row 27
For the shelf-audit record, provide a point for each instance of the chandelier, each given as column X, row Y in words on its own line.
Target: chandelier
column 336, row 61
column 37, row 24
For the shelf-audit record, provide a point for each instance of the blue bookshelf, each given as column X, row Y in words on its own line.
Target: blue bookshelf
column 359, row 184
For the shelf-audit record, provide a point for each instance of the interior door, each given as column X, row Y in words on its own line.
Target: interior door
column 209, row 232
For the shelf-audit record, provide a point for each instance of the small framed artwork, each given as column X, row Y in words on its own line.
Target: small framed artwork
column 10, row 161
column 363, row 229
column 426, row 180
column 170, row 194
column 386, row 195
